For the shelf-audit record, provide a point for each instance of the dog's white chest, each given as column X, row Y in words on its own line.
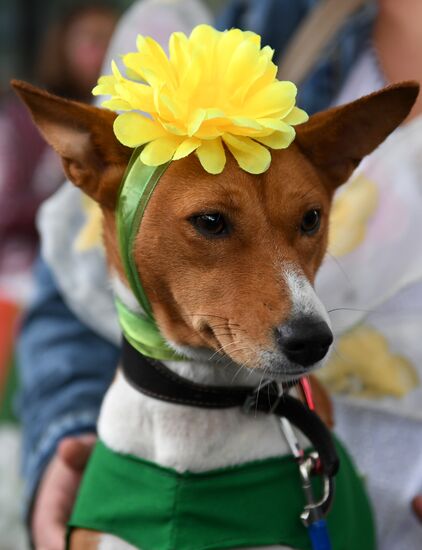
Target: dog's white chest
column 185, row 438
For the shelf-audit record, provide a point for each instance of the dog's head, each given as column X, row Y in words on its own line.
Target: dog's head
column 228, row 261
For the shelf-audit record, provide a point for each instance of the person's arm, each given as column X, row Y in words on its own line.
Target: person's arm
column 65, row 369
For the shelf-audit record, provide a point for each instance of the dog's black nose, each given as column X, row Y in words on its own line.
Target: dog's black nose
column 304, row 340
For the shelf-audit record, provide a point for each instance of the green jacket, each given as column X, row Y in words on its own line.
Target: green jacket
column 258, row 503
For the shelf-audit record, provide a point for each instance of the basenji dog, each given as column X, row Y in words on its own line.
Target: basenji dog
column 228, row 262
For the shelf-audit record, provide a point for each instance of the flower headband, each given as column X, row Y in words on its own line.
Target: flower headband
column 214, row 88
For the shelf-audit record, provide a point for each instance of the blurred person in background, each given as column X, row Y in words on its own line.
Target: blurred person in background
column 68, row 64
column 74, row 48
column 69, row 347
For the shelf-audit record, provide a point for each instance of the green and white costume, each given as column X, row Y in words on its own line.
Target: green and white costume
column 258, row 503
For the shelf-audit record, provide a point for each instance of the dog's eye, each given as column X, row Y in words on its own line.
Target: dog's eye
column 310, row 222
column 211, row 224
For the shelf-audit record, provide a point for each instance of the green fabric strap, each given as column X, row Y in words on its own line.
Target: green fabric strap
column 142, row 333
column 136, row 189
column 259, row 503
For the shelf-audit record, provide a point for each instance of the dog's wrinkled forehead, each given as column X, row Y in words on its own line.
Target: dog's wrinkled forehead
column 290, row 182
column 263, row 215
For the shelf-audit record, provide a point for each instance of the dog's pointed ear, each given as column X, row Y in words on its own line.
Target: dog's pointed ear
column 336, row 140
column 83, row 136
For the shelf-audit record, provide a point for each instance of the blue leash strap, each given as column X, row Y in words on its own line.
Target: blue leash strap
column 319, row 536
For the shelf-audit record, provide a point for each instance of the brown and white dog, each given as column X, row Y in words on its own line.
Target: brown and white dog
column 228, row 262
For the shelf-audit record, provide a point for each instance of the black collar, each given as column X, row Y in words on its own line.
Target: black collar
column 155, row 380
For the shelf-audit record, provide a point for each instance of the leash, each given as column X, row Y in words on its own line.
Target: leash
column 154, row 379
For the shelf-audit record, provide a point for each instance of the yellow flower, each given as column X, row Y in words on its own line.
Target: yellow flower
column 214, row 88
column 363, row 364
column 351, row 212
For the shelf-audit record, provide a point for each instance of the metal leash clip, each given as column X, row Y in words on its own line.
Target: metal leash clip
column 315, row 511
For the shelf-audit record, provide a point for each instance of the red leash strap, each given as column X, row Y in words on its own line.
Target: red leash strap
column 307, row 392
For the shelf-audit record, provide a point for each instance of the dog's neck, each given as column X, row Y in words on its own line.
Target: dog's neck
column 187, row 438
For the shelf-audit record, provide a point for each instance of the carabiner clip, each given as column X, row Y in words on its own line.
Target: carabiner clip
column 314, row 510
column 313, row 515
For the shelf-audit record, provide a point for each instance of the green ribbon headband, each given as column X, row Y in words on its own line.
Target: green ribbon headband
column 137, row 186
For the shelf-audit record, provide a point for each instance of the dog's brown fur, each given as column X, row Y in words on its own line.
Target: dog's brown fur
column 84, row 539
column 213, row 292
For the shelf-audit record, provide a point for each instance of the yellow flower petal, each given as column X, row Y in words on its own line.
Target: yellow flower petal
column 212, row 156
column 115, row 70
column 226, row 45
column 253, row 37
column 204, row 35
column 274, row 124
column 166, row 106
column 160, row 151
column 296, row 116
column 250, row 155
column 241, row 70
column 117, row 105
column 278, row 140
column 265, row 80
column 105, row 86
column 176, row 129
column 133, row 62
column 196, row 120
column 211, row 131
column 140, row 95
column 189, row 81
column 186, row 148
column 133, row 129
column 152, row 57
column 247, row 123
column 277, row 98
column 179, row 50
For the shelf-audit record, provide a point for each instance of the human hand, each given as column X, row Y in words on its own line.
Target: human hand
column 57, row 492
column 417, row 507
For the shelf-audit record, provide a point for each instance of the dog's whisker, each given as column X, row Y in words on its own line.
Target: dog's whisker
column 222, row 333
column 258, row 390
column 205, row 315
column 241, row 367
column 351, row 309
column 340, row 267
column 224, row 347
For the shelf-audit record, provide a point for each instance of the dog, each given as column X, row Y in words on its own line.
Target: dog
column 228, row 262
